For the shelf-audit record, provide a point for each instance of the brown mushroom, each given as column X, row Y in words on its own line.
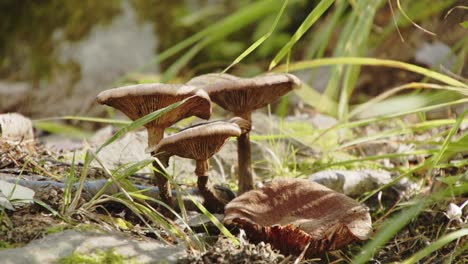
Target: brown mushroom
column 136, row 101
column 293, row 214
column 201, row 142
column 241, row 96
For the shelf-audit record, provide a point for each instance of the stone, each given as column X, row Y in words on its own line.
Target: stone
column 53, row 247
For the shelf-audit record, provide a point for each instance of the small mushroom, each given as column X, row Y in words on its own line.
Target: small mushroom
column 201, row 142
column 293, row 214
column 241, row 96
column 136, row 101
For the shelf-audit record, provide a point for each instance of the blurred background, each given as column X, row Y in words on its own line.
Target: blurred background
column 55, row 56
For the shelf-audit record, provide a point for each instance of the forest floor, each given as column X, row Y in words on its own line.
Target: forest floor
column 49, row 215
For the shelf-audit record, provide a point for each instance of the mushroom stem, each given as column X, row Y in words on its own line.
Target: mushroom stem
column 244, row 161
column 212, row 202
column 155, row 134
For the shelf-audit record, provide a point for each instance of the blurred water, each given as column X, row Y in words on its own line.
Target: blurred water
column 81, row 67
column 110, row 51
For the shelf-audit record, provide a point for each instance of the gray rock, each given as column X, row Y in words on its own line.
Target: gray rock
column 129, row 148
column 12, row 195
column 16, row 128
column 435, row 54
column 352, row 183
column 53, row 247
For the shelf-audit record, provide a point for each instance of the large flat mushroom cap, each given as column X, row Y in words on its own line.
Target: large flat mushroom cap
column 199, row 142
column 240, row 95
column 291, row 213
column 136, row 101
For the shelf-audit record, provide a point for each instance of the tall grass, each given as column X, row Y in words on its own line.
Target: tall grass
column 347, row 58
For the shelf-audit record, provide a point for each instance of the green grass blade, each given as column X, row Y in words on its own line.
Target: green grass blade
column 415, row 85
column 68, row 187
column 214, row 220
column 182, row 61
column 354, row 44
column 396, row 223
column 86, row 119
column 260, row 40
column 46, row 206
column 61, row 129
column 132, row 168
column 436, row 245
column 313, row 16
column 321, row 39
column 392, row 226
column 139, row 123
column 448, row 139
column 84, row 172
column 399, row 114
column 295, row 66
column 412, row 22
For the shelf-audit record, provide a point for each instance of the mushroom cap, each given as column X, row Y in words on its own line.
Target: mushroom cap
column 292, row 213
column 136, row 101
column 198, row 142
column 241, row 95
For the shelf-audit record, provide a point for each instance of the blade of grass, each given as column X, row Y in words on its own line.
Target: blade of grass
column 389, row 116
column 448, row 139
column 386, row 117
column 414, row 85
column 436, row 245
column 213, row 219
column 374, row 157
column 182, row 61
column 85, row 118
column 354, row 44
column 302, row 65
column 68, row 187
column 260, row 40
column 139, row 123
column 84, row 172
column 412, row 22
column 396, row 223
column 61, row 129
column 321, row 39
column 313, row 16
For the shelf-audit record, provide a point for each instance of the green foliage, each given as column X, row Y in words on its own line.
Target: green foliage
column 98, row 257
column 308, row 22
column 5, row 245
column 61, row 129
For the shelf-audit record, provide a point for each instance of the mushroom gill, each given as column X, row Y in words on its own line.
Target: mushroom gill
column 293, row 214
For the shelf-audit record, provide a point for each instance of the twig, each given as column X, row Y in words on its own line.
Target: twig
column 47, row 173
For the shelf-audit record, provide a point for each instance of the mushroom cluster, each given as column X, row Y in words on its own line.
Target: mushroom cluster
column 295, row 216
column 238, row 95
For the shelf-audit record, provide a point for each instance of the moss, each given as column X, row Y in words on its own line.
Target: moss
column 98, row 257
column 5, row 245
column 56, row 229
